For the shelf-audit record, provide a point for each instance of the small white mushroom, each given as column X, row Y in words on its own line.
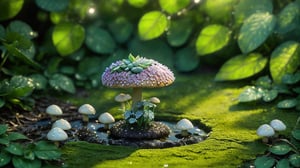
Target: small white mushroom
column 57, row 134
column 184, row 125
column 265, row 131
column 62, row 123
column 154, row 100
column 277, row 125
column 122, row 98
column 54, row 111
column 106, row 119
column 86, row 110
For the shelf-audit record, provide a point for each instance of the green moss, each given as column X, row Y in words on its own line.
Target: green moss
column 233, row 139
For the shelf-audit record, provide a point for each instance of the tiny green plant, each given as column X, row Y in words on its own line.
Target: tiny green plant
column 282, row 152
column 18, row 150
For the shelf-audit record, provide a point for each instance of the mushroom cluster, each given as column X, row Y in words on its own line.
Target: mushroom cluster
column 269, row 130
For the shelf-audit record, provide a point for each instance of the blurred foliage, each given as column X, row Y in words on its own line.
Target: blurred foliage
column 65, row 44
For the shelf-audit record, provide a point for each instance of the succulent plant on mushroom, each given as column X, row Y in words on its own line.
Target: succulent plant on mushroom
column 86, row 110
column 184, row 125
column 122, row 98
column 54, row 111
column 57, row 134
column 137, row 73
column 62, row 123
column 106, row 118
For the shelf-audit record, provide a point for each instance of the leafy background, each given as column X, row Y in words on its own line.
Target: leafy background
column 62, row 45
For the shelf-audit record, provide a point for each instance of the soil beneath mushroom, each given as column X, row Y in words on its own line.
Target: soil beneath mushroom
column 36, row 124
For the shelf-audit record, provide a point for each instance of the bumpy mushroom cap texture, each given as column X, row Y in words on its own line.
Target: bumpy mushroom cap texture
column 57, row 134
column 265, row 130
column 62, row 123
column 277, row 125
column 137, row 73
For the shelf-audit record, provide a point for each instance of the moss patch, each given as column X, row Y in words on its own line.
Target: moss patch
column 233, row 138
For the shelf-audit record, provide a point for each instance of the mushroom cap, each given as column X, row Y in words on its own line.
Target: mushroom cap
column 54, row 110
column 106, row 118
column 154, row 100
column 151, row 76
column 122, row 97
column 57, row 134
column 277, row 125
column 87, row 109
column 62, row 123
column 184, row 124
column 265, row 130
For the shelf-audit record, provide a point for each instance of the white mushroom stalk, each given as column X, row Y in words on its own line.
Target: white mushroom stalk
column 122, row 98
column 86, row 110
column 54, row 111
column 184, row 125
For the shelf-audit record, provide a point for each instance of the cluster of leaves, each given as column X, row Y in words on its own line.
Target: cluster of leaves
column 282, row 152
column 266, row 90
column 132, row 64
column 25, row 155
column 141, row 114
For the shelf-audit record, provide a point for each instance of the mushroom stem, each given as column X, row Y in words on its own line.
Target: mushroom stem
column 136, row 95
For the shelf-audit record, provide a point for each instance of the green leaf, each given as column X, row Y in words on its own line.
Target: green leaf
column 287, row 19
column 219, row 10
column 288, row 103
column 39, row 81
column 241, row 66
column 89, row 66
column 296, row 134
column 46, row 151
column 20, row 86
column 255, row 30
column 152, row 25
column 270, row 95
column 284, row 59
column 295, row 160
column 283, row 163
column 264, row 82
column 251, row 94
column 52, row 5
column 20, row 162
column 179, row 31
column 3, row 128
column 68, row 37
column 246, row 8
column 212, row 38
column 4, row 140
column 186, row 59
column 12, row 136
column 14, row 148
column 291, row 78
column 173, row 6
column 121, row 29
column 264, row 162
column 4, row 158
column 22, row 28
column 137, row 3
column 2, row 32
column 2, row 102
column 62, row 82
column 99, row 40
column 10, row 8
column 280, row 149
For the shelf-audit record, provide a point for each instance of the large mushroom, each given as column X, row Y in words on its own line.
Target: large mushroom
column 137, row 73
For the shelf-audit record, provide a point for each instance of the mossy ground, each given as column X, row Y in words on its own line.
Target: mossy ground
column 233, row 138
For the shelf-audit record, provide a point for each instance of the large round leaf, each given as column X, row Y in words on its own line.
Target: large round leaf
column 270, row 95
column 121, row 29
column 173, row 6
column 283, row 163
column 246, row 8
column 284, row 59
column 179, row 31
column 255, row 30
column 138, row 3
column 296, row 134
column 10, row 8
column 21, row 28
column 251, row 94
column 264, row 162
column 212, row 38
column 288, row 103
column 20, row 162
column 241, row 66
column 61, row 82
column 52, row 5
column 280, row 149
column 20, row 86
column 295, row 160
column 99, row 40
column 186, row 60
column 152, row 25
column 288, row 18
column 67, row 37
column 219, row 10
